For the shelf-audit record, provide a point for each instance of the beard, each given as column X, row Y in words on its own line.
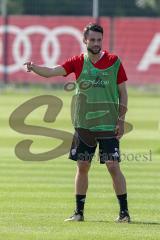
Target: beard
column 94, row 51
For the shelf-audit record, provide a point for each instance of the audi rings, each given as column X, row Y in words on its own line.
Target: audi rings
column 22, row 37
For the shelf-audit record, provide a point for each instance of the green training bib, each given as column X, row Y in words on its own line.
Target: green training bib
column 96, row 103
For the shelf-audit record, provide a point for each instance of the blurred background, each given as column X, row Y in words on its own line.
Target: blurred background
column 48, row 32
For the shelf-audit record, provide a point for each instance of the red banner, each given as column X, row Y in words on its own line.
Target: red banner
column 50, row 41
column 137, row 42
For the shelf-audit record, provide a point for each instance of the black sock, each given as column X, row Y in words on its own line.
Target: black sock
column 122, row 199
column 80, row 201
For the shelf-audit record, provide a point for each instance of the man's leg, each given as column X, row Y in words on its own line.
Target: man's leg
column 119, row 184
column 81, row 184
column 81, row 152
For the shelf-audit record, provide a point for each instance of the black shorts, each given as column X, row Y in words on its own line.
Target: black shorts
column 85, row 142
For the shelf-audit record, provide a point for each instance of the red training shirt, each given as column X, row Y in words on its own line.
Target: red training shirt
column 75, row 65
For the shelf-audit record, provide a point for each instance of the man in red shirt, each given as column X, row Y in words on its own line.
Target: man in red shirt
column 99, row 115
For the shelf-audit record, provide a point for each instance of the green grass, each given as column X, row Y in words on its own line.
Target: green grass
column 35, row 197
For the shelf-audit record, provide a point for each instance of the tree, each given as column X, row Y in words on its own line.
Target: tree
column 84, row 7
column 15, row 7
column 152, row 4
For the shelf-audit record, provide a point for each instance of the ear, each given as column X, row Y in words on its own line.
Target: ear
column 84, row 40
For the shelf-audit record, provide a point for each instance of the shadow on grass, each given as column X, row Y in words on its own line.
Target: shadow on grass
column 98, row 221
column 133, row 222
column 145, row 223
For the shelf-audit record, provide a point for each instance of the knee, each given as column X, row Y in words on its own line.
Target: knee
column 113, row 168
column 83, row 168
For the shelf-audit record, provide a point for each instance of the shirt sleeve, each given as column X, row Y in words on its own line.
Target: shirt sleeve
column 122, row 77
column 69, row 66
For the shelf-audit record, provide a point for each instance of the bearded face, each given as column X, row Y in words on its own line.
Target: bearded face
column 93, row 42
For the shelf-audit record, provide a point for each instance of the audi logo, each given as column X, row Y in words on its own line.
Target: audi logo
column 22, row 38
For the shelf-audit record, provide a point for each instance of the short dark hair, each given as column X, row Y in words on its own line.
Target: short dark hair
column 92, row 27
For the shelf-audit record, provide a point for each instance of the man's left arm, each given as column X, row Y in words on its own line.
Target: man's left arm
column 123, row 101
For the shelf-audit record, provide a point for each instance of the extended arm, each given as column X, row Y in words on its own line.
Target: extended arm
column 45, row 71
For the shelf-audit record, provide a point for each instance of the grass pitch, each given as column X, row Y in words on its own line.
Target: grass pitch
column 36, row 197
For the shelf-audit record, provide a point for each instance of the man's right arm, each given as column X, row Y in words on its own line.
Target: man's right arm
column 45, row 71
